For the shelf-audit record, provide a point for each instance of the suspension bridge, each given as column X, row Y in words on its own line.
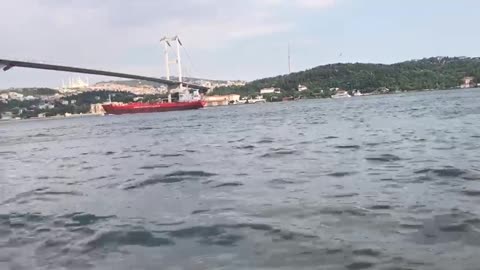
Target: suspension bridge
column 7, row 64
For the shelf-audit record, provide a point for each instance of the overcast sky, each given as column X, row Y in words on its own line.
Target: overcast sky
column 229, row 39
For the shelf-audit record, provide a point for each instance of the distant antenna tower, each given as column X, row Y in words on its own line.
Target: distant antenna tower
column 289, row 60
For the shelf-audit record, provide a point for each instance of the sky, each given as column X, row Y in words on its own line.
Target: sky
column 228, row 39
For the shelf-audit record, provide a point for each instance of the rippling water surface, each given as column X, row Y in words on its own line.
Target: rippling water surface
column 387, row 182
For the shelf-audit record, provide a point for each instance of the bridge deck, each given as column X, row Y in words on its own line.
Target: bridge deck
column 11, row 63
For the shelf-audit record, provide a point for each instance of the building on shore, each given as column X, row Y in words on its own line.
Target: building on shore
column 6, row 116
column 215, row 84
column 97, row 109
column 224, row 100
column 137, row 89
column 302, row 88
column 74, row 85
column 270, row 90
column 468, row 82
column 15, row 96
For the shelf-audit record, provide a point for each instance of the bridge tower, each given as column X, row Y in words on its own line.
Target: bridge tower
column 167, row 41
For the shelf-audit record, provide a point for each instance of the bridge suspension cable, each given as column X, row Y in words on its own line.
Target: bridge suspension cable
column 189, row 58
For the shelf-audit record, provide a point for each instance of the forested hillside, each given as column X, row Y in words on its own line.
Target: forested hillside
column 429, row 73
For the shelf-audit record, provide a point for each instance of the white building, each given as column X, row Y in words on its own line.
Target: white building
column 212, row 85
column 74, row 85
column 4, row 96
column 139, row 89
column 302, row 88
column 236, row 83
column 15, row 95
column 468, row 82
column 270, row 90
column 224, row 100
column 97, row 109
column 6, row 115
column 207, row 84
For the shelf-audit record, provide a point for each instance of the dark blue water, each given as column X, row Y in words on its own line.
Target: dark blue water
column 385, row 182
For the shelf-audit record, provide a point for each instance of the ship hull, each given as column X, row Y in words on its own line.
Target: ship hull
column 152, row 107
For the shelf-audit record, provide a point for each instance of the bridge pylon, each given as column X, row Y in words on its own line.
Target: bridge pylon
column 167, row 42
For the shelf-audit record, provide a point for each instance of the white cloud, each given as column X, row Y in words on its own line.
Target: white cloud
column 315, row 3
column 37, row 26
column 58, row 20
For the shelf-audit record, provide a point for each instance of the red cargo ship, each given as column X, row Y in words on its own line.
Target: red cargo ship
column 188, row 100
column 141, row 107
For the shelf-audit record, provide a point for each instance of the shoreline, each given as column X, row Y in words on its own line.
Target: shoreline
column 365, row 95
column 50, row 118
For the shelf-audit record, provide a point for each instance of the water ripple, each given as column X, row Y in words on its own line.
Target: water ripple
column 175, row 177
column 374, row 182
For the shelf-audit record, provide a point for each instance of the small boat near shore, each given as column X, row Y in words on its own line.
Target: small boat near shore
column 357, row 93
column 341, row 94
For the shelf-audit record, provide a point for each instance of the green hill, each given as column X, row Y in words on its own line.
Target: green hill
column 32, row 91
column 428, row 73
